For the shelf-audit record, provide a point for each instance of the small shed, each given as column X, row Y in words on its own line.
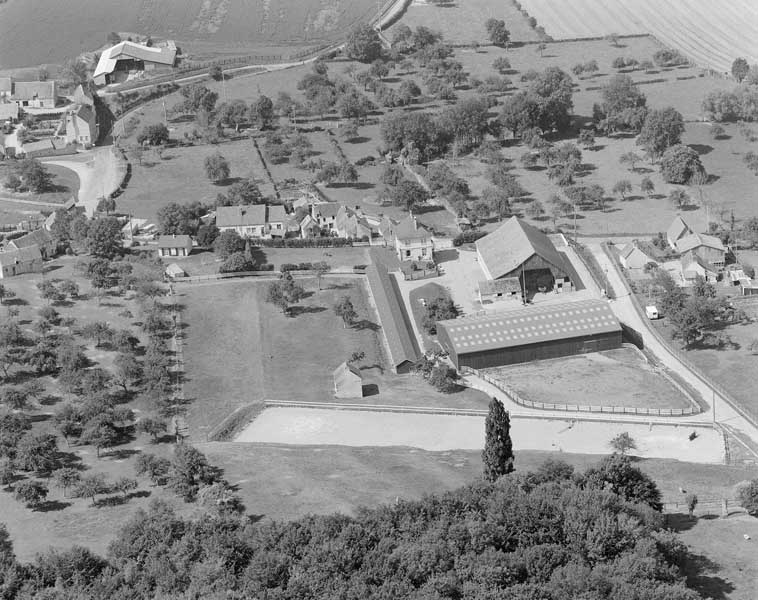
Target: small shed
column 174, row 270
column 493, row 290
column 348, row 382
column 174, row 245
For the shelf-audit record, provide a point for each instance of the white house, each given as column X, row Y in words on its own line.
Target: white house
column 325, row 214
column 413, row 241
column 255, row 220
column 35, row 94
column 174, row 245
column 632, row 257
column 79, row 126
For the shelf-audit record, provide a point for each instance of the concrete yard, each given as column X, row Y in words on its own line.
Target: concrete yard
column 298, row 426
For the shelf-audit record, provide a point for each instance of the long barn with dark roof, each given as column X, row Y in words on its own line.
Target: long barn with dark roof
column 530, row 333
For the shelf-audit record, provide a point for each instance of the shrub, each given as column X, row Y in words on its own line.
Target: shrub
column 468, row 237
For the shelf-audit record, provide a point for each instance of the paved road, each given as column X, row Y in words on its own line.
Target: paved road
column 625, row 311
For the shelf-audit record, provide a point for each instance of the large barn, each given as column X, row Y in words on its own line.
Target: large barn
column 118, row 61
column 530, row 333
column 516, row 249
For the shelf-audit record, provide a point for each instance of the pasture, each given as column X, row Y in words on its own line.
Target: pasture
column 202, row 28
column 712, row 34
column 613, row 378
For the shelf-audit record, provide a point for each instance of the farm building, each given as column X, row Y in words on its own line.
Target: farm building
column 676, row 231
column 174, row 270
column 531, row 333
column 256, row 220
column 707, row 247
column 493, row 290
column 35, row 94
column 41, row 238
column 351, row 224
column 693, row 267
column 348, row 382
column 118, row 61
column 17, row 262
column 174, row 245
column 516, row 249
column 632, row 257
column 396, row 326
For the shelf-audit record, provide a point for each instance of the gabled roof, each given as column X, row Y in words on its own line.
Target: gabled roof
column 38, row 237
column 512, row 244
column 395, row 323
column 408, row 230
column 506, row 285
column 8, row 110
column 345, row 372
column 84, row 112
column 28, row 90
column 630, row 249
column 326, row 210
column 308, row 221
column 677, row 229
column 174, row 270
column 690, row 259
column 250, row 215
column 174, row 241
column 695, row 240
column 131, row 50
column 530, row 325
column 20, row 256
column 82, row 95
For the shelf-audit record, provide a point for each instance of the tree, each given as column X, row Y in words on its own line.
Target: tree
column 284, row 292
column 617, row 474
column 31, row 492
column 14, row 398
column 34, row 175
column 101, row 433
column 237, row 262
column 155, row 467
column 37, row 452
column 126, row 369
column 90, row 485
column 155, row 135
column 680, row 164
column 363, row 44
column 534, row 209
column 408, row 194
column 587, row 138
column 125, row 485
column 189, row 471
column 216, row 167
column 234, row 113
column 740, row 69
column 622, row 188
column 227, row 243
column 622, row 106
column 443, row 378
column 623, row 442
column 151, row 426
column 747, row 496
column 502, row 65
column 679, row 197
column 439, row 309
column 75, row 72
column 647, row 186
column 497, row 32
column 99, row 331
column 541, row 47
column 66, row 478
column 498, row 201
column 178, row 219
column 104, row 237
column 219, row 498
column 661, row 130
column 691, row 501
column 345, row 310
column 497, row 455
column 631, row 159
column 198, row 98
column 320, row 268
column 263, row 112
column 613, row 39
column 106, row 205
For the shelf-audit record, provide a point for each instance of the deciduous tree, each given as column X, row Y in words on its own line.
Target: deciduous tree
column 216, row 167
column 363, row 44
column 497, row 455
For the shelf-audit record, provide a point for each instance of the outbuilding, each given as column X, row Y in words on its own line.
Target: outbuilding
column 18, row 262
column 530, row 333
column 494, row 290
column 174, row 245
column 348, row 382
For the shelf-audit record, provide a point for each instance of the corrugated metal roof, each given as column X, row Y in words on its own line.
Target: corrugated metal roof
column 512, row 244
column 127, row 50
column 530, row 325
column 396, row 329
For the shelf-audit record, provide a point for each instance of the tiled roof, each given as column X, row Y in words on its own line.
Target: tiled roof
column 37, row 237
column 28, row 90
column 512, row 244
column 395, row 323
column 253, row 214
column 677, row 229
column 326, row 210
column 20, row 256
column 695, row 240
column 690, row 259
column 506, row 285
column 530, row 325
column 174, row 241
column 408, row 230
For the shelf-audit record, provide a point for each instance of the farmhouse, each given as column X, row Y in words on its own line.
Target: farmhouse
column 516, row 249
column 117, row 62
column 494, row 290
column 325, row 214
column 309, row 227
column 256, row 220
column 79, row 126
column 349, row 224
column 348, row 382
column 40, row 238
column 17, row 262
column 632, row 257
column 174, row 245
column 707, row 247
column 531, row 333
column 676, row 231
column 694, row 266
column 35, row 94
column 413, row 241
column 396, row 326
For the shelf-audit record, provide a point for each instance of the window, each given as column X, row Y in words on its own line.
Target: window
column 407, row 253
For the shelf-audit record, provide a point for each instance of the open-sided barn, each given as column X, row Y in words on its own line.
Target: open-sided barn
column 530, row 333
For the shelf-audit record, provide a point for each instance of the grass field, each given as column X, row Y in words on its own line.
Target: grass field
column 612, row 378
column 201, row 28
column 64, row 186
column 711, row 33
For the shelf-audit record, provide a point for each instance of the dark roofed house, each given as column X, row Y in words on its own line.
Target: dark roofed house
column 707, row 247
column 18, row 262
column 255, row 220
column 493, row 290
column 348, row 382
column 413, row 241
column 516, row 249
column 530, row 333
column 396, row 326
column 174, row 245
column 41, row 238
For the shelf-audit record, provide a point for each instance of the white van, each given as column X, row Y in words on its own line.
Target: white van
column 651, row 312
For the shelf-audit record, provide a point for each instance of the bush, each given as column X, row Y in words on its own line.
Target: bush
column 303, row 266
column 319, row 242
column 468, row 237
